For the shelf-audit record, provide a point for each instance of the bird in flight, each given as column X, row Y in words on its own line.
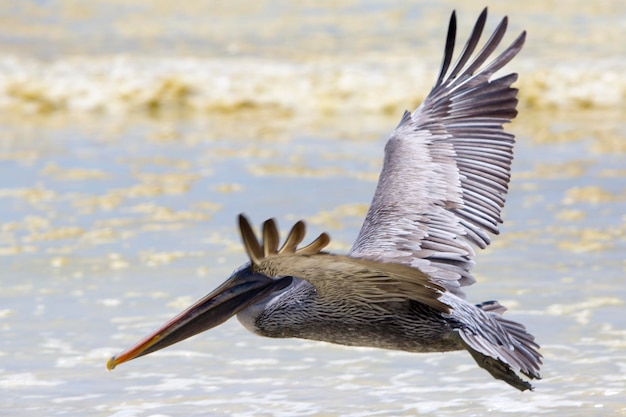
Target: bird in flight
column 439, row 196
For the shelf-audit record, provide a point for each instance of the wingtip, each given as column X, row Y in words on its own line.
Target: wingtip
column 522, row 38
column 242, row 219
column 249, row 239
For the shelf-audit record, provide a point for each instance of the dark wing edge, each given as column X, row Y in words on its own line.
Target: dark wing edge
column 472, row 110
column 447, row 166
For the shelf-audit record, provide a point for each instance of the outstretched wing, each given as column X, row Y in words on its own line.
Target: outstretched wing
column 447, row 167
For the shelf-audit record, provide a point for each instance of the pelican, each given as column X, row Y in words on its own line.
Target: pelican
column 443, row 184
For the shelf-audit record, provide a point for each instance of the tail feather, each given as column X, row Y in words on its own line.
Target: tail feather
column 498, row 369
column 502, row 347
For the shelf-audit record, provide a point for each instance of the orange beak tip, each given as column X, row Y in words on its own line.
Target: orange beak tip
column 111, row 363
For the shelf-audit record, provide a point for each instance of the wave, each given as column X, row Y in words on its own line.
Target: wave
column 122, row 84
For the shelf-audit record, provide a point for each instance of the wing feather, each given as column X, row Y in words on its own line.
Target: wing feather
column 447, row 56
column 447, row 166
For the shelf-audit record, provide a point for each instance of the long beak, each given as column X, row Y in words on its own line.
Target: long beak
column 228, row 299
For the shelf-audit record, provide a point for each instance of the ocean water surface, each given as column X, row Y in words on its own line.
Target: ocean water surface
column 131, row 135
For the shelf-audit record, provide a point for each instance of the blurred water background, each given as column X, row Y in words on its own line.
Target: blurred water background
column 132, row 134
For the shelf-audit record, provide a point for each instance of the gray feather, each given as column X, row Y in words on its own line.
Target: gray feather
column 446, row 168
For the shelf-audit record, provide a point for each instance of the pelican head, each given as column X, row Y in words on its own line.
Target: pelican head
column 247, row 292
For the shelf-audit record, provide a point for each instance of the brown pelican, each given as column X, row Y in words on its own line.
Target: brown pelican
column 442, row 187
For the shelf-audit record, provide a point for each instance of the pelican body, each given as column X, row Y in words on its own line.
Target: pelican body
column 442, row 187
